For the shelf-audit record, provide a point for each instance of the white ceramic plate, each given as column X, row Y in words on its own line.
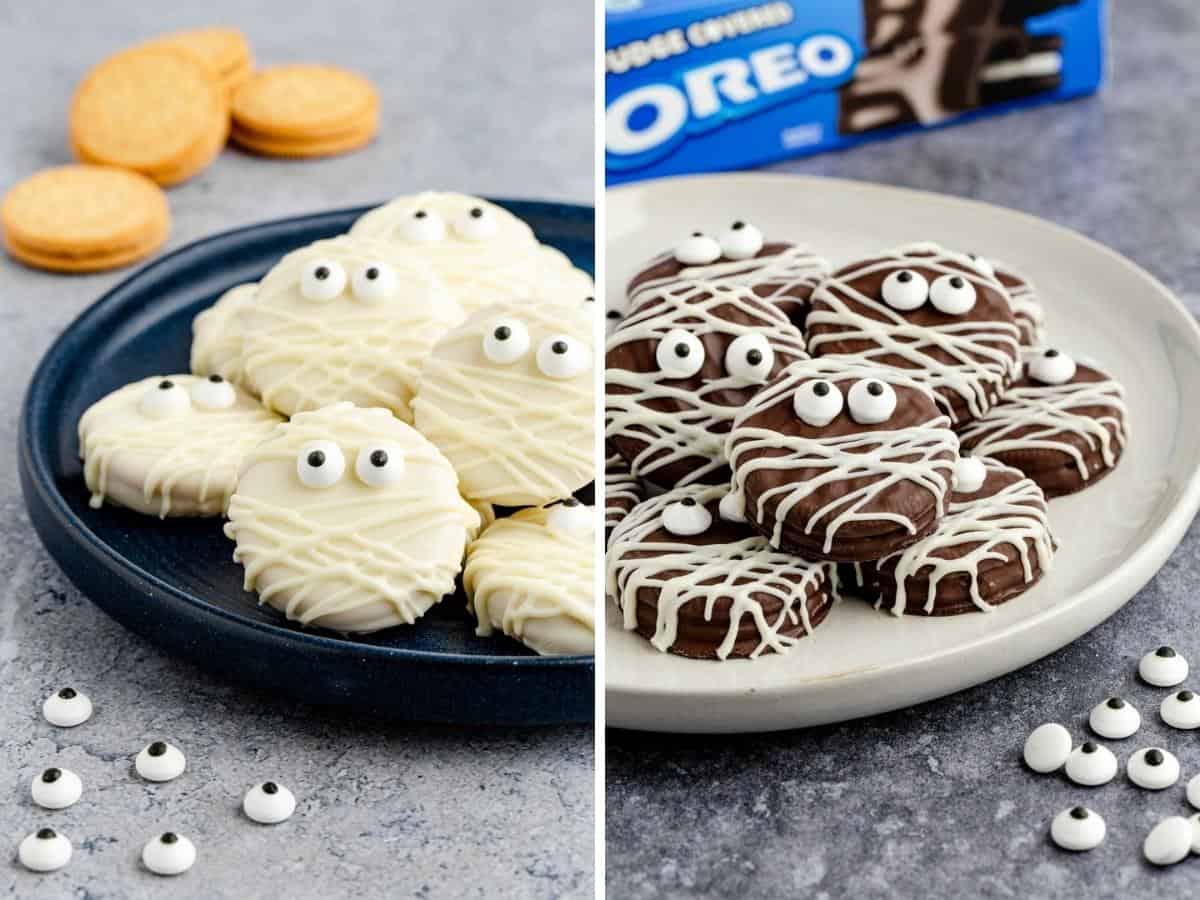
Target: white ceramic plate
column 1113, row 536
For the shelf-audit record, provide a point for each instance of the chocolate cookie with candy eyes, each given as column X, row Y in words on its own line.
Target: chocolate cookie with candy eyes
column 1064, row 424
column 993, row 545
column 931, row 312
column 698, row 585
column 779, row 272
column 682, row 363
column 839, row 460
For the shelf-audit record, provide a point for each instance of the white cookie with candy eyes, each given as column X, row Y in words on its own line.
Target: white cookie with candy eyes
column 170, row 445
column 217, row 334
column 347, row 518
column 531, row 576
column 507, row 397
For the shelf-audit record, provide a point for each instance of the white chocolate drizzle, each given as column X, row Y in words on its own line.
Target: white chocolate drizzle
column 622, row 491
column 1026, row 306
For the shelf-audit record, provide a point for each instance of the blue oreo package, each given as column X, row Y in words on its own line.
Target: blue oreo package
column 705, row 85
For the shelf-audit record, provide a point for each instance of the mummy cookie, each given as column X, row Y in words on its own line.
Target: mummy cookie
column 684, row 360
column 622, row 492
column 531, row 576
column 782, row 273
column 929, row 311
column 217, row 335
column 1063, row 424
column 993, row 545
column 482, row 252
column 843, row 461
column 1026, row 306
column 343, row 320
column 170, row 445
column 348, row 519
column 507, row 397
column 698, row 585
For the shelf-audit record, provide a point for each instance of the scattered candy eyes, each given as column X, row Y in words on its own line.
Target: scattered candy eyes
column 750, row 359
column 1051, row 367
column 698, row 249
column 44, row 851
column 953, row 295
column 423, row 226
column 322, row 280
column 969, row 474
column 561, row 356
column 67, row 708
column 1091, row 764
column 871, row 401
column 374, row 283
column 1078, row 828
column 320, row 464
column 506, row 341
column 680, row 354
column 1169, row 842
column 1181, row 710
column 1115, row 719
column 380, row 465
column 160, row 761
column 269, row 803
column 213, row 393
column 1163, row 668
column 686, row 517
column 905, row 290
column 741, row 241
column 570, row 517
column 169, row 854
column 165, row 399
column 1047, row 748
column 1153, row 769
column 478, row 224
column 56, row 788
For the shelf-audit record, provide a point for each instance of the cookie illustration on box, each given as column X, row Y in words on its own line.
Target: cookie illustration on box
column 622, row 492
column 346, row 518
column 935, row 313
column 507, row 396
column 530, row 576
column 696, row 584
column 840, row 460
column 1020, row 65
column 993, row 545
column 779, row 272
column 886, row 22
column 684, row 360
column 1064, row 424
column 170, row 445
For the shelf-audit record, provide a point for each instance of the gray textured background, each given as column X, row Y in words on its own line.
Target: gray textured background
column 479, row 97
column 932, row 802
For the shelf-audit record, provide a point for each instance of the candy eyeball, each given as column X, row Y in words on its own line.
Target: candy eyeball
column 213, row 393
column 750, row 359
column 732, row 507
column 164, row 400
column 422, row 227
column 478, row 224
column 1091, row 765
column 320, row 464
column 67, row 708
column 169, row 854
column 1078, row 829
column 818, row 402
column 571, row 518
column 1051, row 367
column 686, row 517
column 1181, row 710
column 905, row 290
column 953, row 295
column 373, row 283
column 506, row 341
column 160, row 761
column 969, row 474
column 1163, row 668
column 56, row 788
column 1153, row 769
column 680, row 354
column 269, row 803
column 741, row 241
column 561, row 356
column 1169, row 842
column 1115, row 719
column 871, row 401
column 698, row 249
column 983, row 266
column 1047, row 748
column 322, row 280
column 380, row 465
column 44, row 851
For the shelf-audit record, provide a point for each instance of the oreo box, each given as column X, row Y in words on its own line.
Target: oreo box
column 703, row 85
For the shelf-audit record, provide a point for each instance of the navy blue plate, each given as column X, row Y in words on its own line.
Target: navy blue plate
column 175, row 582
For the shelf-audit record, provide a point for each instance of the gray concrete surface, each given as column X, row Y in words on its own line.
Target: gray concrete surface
column 932, row 802
column 478, row 97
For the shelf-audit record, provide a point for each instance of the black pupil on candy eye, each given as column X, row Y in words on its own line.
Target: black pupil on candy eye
column 738, row 226
column 67, row 693
column 682, row 350
column 420, row 214
column 754, row 357
column 476, row 213
column 688, row 501
column 46, row 834
column 874, row 388
column 372, row 273
column 215, row 379
column 1154, row 757
column 1089, row 747
column 821, row 388
column 559, row 347
column 321, row 273
column 570, row 501
column 165, row 385
column 1164, row 652
column 904, row 277
column 697, row 234
column 316, row 459
column 51, row 775
column 1186, row 696
column 589, row 299
column 1116, row 703
column 379, row 459
column 1079, row 813
column 613, row 314
column 158, row 748
column 503, row 333
column 270, row 787
column 956, row 282
column 169, row 837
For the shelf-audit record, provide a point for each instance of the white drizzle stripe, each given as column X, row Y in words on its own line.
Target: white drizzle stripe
column 1054, row 411
column 1014, row 516
column 923, row 454
column 217, row 335
column 738, row 571
column 985, row 355
column 1026, row 306
column 697, row 429
column 622, row 491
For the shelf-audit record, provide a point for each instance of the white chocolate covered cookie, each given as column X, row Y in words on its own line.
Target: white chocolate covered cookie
column 507, row 396
column 170, row 445
column 347, row 518
column 217, row 334
column 531, row 576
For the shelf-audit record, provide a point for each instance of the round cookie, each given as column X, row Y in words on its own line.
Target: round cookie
column 993, row 545
column 679, row 367
column 1063, row 424
column 217, row 334
column 841, row 460
column 507, row 396
column 622, row 492
column 932, row 312
column 170, row 445
column 343, row 319
column 531, row 576
column 348, row 519
column 780, row 272
column 224, row 52
column 698, row 585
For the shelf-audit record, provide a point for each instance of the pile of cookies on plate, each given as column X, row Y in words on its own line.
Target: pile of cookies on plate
column 781, row 434
column 360, row 413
